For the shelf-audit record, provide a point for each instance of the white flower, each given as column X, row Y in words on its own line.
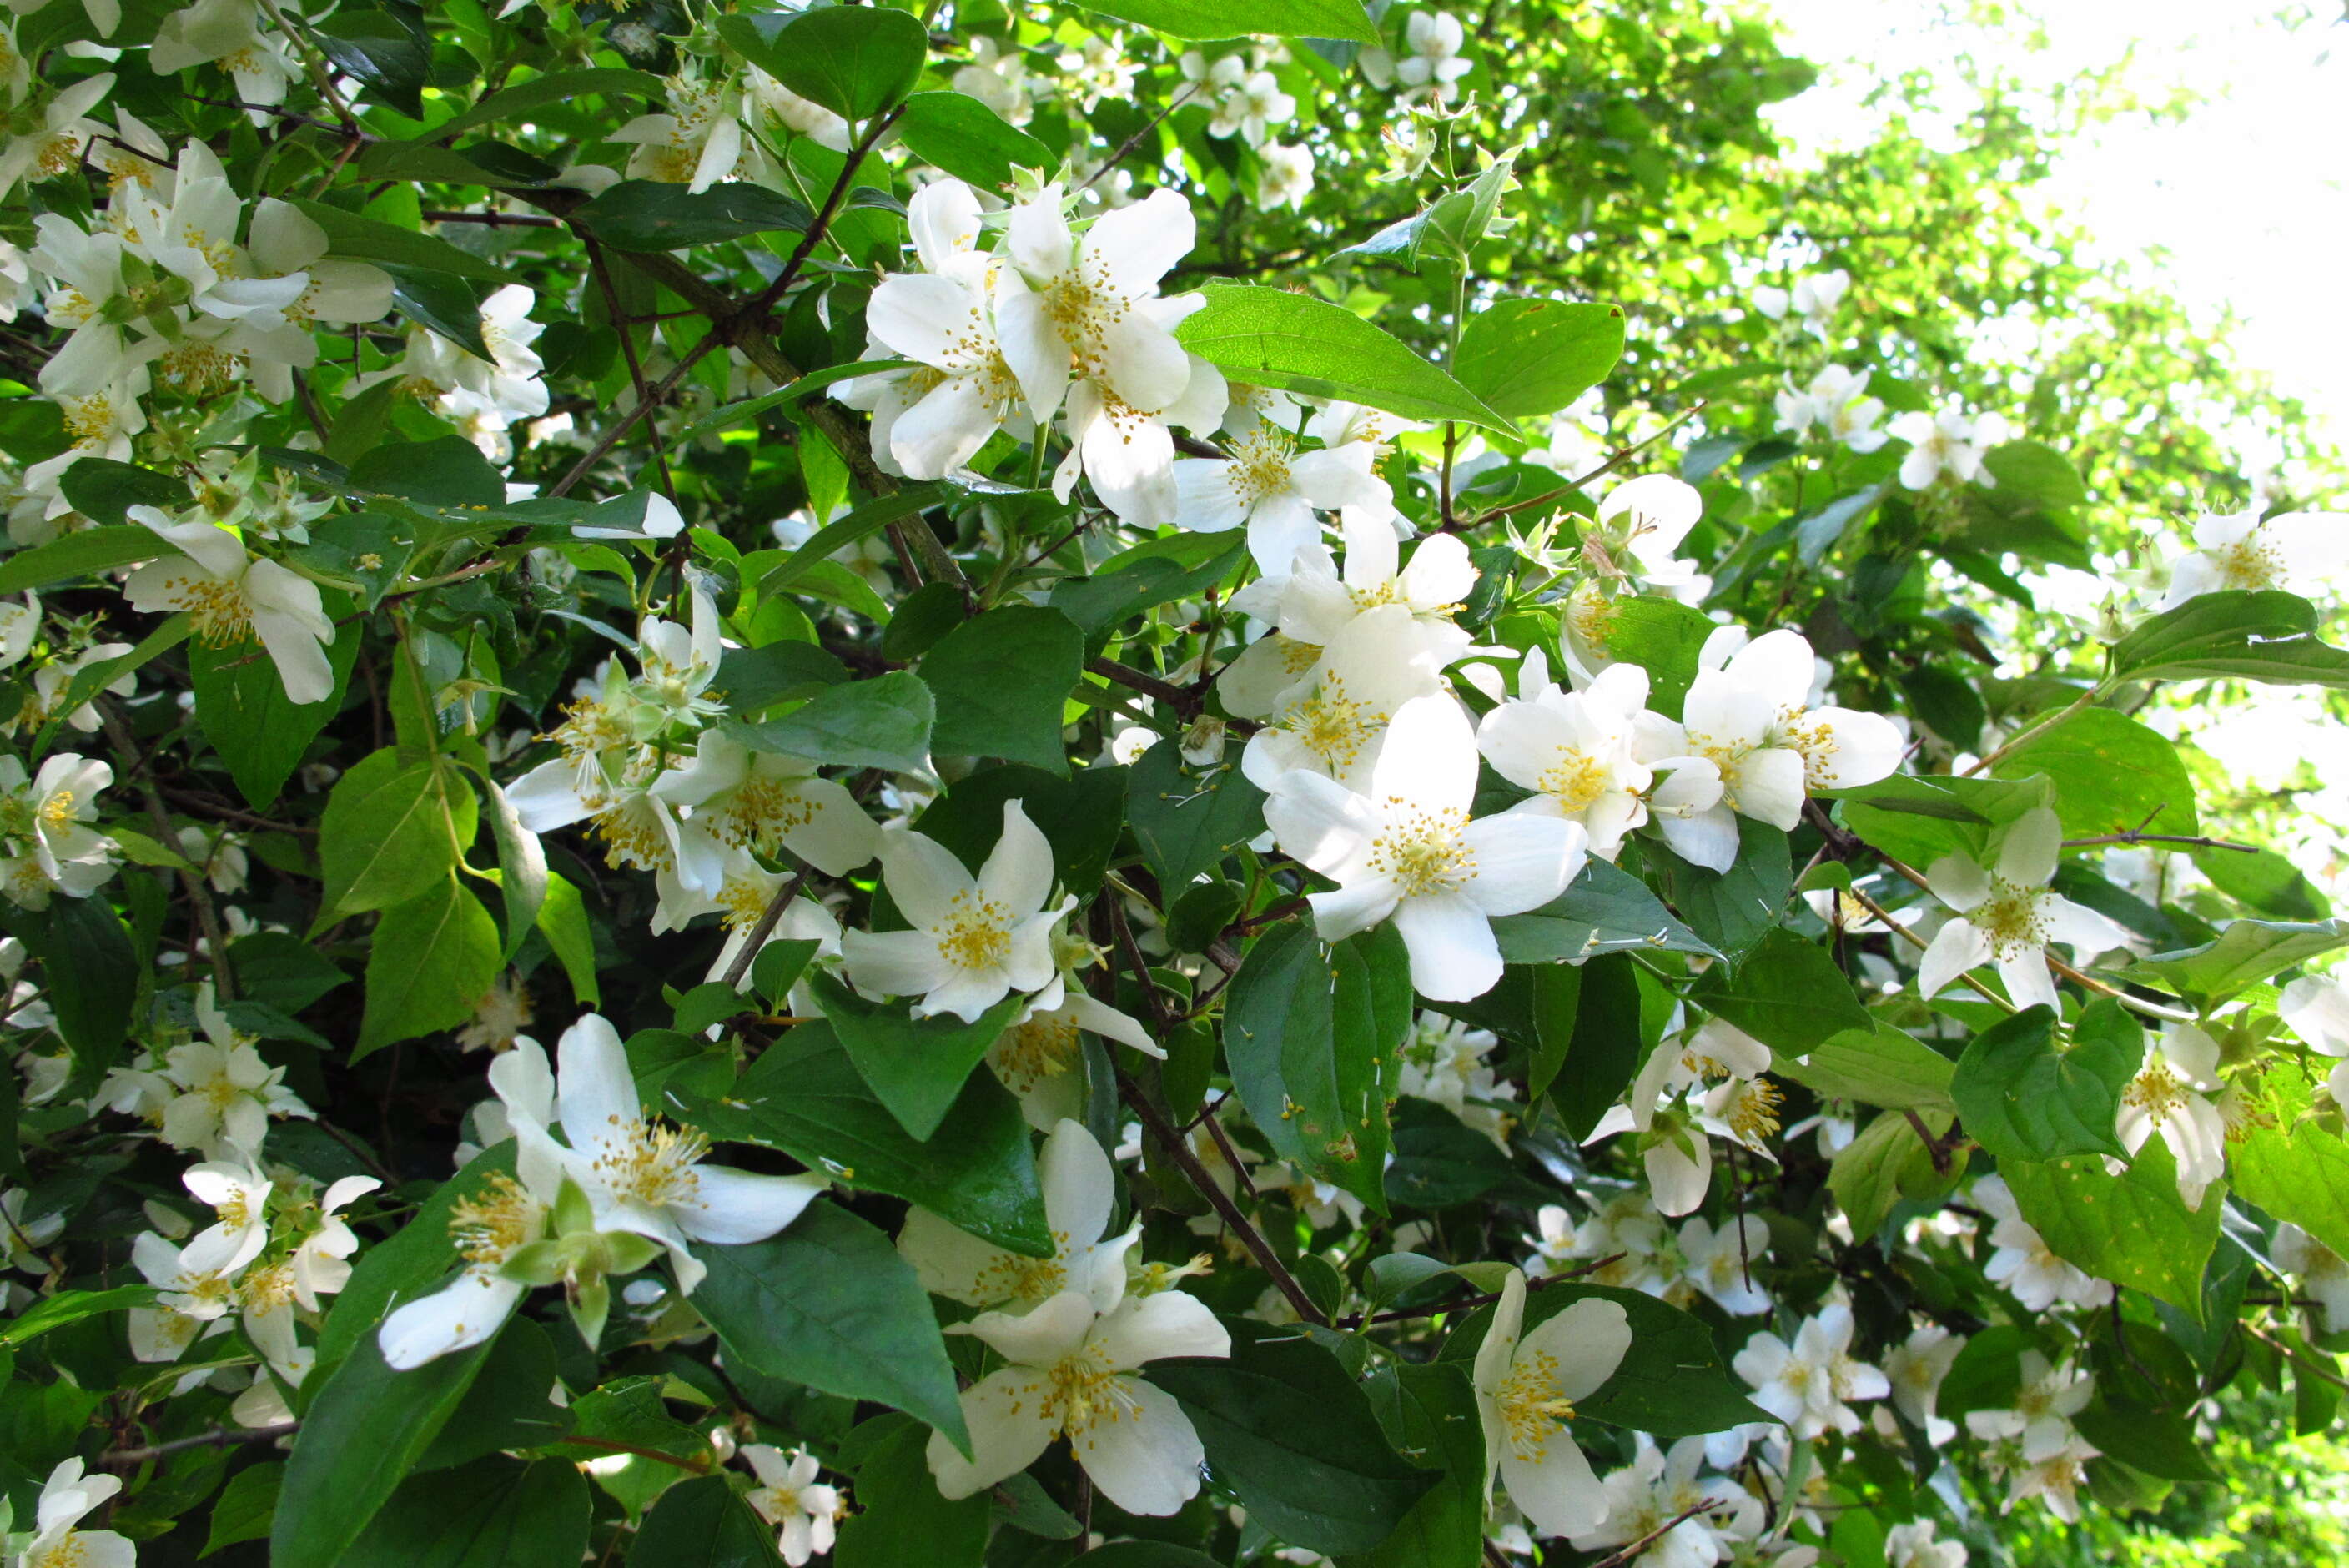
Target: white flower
column 1086, row 313
column 1311, row 600
column 1334, row 722
column 1915, row 1369
column 2323, row 1273
column 319, row 1264
column 2010, row 915
column 1809, row 1385
column 1273, row 489
column 2054, row 1476
column 227, row 1094
column 2047, row 1397
column 1249, row 107
column 1527, row 1384
column 800, row 116
column 1039, row 1057
column 234, row 33
column 697, row 144
column 1657, row 1488
column 1721, row 1262
column 67, row 1498
column 231, row 595
column 238, row 1196
column 2297, row 552
column 2168, row 1097
column 973, row 941
column 1676, row 1142
column 1636, row 536
column 649, row 1177
column 788, row 1496
column 2317, row 1010
column 1432, row 61
column 732, row 798
column 1079, row 1196
column 1409, row 850
column 46, row 842
column 64, row 135
column 1443, row 1063
column 1814, row 300
column 492, row 1230
column 1835, row 401
column 1576, row 750
column 940, row 316
column 1069, row 1371
column 1942, row 443
column 1911, row 1545
column 1285, row 178
column 997, row 78
column 2020, row 1260
column 19, row 1235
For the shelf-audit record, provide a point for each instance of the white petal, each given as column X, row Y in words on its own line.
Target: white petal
column 1146, row 1457
column 1957, row 947
column 1169, row 1324
column 2026, row 856
column 594, row 1086
column 1079, row 1188
column 1454, row 955
column 1523, row 861
column 1008, row 1432
column 1018, row 871
column 463, row 1315
column 733, row 1207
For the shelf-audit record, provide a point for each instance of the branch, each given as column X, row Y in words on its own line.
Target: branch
column 218, row 1438
column 1622, row 455
column 2133, row 837
column 1467, row 1303
column 1658, row 1533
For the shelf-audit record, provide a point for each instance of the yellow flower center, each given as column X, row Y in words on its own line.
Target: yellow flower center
column 2157, row 1091
column 1014, row 1278
column 1753, row 1110
column 1259, row 465
column 1575, row 780
column 757, row 812
column 1332, row 725
column 2250, row 563
column 2010, row 918
column 217, row 605
column 496, row 1222
column 1031, row 1051
column 1079, row 1392
column 652, row 1162
column 977, row 934
column 1531, row 1407
column 1422, row 853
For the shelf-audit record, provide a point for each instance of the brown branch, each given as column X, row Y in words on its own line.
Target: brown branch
column 2133, row 837
column 1622, row 455
column 1469, row 1304
column 1658, row 1533
column 218, row 1438
column 191, row 882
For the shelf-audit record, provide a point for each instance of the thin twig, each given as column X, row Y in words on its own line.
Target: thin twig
column 2134, row 836
column 1622, row 455
column 1469, row 1304
column 218, row 1438
column 1658, row 1533
column 768, row 919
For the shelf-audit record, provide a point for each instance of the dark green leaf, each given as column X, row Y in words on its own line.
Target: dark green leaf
column 1430, row 1415
column 359, row 239
column 245, row 1506
column 916, row 1067
column 1606, row 910
column 855, row 60
column 1731, row 910
column 654, row 215
column 1187, row 819
column 84, row 554
column 1080, row 816
column 495, row 1513
column 804, row 1097
column 970, row 141
column 828, row 1303
column 409, row 1263
column 104, row 489
column 1294, row 1437
column 1002, row 683
column 448, row 471
column 704, row 1523
column 242, row 707
column 901, row 1519
column 2024, row 1099
column 1438, row 1161
column 1788, row 994
column 883, row 723
column 555, row 88
column 92, row 972
column 72, row 1306
column 2159, row 1442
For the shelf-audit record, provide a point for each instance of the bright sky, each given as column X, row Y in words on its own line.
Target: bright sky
column 2249, row 195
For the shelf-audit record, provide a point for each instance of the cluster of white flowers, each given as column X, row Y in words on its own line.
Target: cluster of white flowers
column 1430, row 65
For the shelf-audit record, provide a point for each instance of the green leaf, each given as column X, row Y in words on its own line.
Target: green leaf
column 1919, row 820
column 92, row 971
column 1605, row 910
column 900, row 1517
column 2296, row 1169
column 804, row 1097
column 1311, row 1038
column 1265, row 336
column 106, row 491
column 2111, row 775
column 242, row 707
column 1002, row 682
column 95, row 678
column 510, row 1405
column 374, row 48
column 1186, row 818
column 828, row 1303
column 432, row 960
column 654, row 215
column 2245, row 953
column 745, row 409
column 390, row 831
column 884, row 722
column 1788, row 994
column 1294, row 1437
column 1343, row 20
column 83, row 553
column 1451, row 227
column 2263, row 882
column 1080, row 816
column 72, row 1306
column 855, row 60
column 1886, row 1164
column 355, row 238
column 1671, row 1383
column 361, row 1434
column 703, row 1523
column 1592, row 1035
column 1734, row 910
column 2023, row 1098
column 915, row 1065
column 451, row 306
column 1151, row 574
column 555, row 88
column 2159, row 1442
column 1438, row 1161
column 1663, row 638
column 956, row 132
column 2039, row 475
column 628, row 1421
column 1429, row 1413
column 245, row 1506
column 757, row 678
column 562, row 921
column 446, row 471
column 496, row 1513
column 1878, row 1065
column 867, row 518
column 1526, row 358
column 2260, row 636
column 2132, row 1229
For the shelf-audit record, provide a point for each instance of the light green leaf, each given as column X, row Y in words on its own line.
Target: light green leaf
column 1876, row 1065
column 392, row 829
column 2132, row 1229
column 433, row 957
column 83, row 553
column 562, row 919
column 2111, row 774
column 1341, row 20
column 958, row 133
column 2260, row 636
column 855, row 60
column 884, row 722
column 1526, row 358
column 2035, row 473
column 2296, row 1169
column 2245, row 953
column 1887, row 1163
column 1265, row 336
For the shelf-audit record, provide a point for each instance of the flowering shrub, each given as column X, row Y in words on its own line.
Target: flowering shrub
column 1182, row 918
